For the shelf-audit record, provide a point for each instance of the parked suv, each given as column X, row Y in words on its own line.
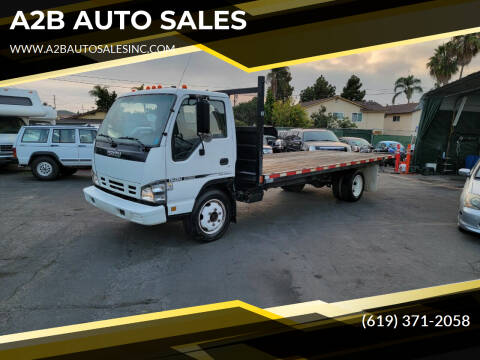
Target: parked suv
column 56, row 150
column 313, row 140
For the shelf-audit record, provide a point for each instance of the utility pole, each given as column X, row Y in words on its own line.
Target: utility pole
column 54, row 102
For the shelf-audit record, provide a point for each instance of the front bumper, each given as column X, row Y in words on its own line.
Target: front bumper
column 125, row 209
column 7, row 159
column 469, row 219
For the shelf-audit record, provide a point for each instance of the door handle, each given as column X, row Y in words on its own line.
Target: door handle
column 53, row 145
column 82, row 145
column 224, row 161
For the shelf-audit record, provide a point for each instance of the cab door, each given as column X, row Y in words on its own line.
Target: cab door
column 64, row 144
column 190, row 162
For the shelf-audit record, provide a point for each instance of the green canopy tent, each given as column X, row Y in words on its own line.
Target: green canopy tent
column 449, row 128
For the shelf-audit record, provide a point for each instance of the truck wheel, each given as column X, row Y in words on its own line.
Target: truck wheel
column 352, row 186
column 293, row 188
column 210, row 217
column 45, row 168
column 337, row 187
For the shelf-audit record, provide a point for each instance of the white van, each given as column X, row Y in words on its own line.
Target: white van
column 56, row 150
column 19, row 107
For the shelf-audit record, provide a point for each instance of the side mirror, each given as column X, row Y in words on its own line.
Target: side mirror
column 203, row 117
column 464, row 172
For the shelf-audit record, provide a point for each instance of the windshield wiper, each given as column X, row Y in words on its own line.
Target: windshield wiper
column 142, row 145
column 108, row 137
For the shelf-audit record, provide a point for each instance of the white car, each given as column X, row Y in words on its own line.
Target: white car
column 469, row 210
column 56, row 150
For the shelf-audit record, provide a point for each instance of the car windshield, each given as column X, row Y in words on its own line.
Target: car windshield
column 319, row 136
column 10, row 125
column 139, row 118
column 359, row 142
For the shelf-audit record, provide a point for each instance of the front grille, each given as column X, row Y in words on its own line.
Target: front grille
column 332, row 148
column 119, row 186
column 6, row 147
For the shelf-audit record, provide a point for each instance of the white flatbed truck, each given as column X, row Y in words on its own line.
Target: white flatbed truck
column 167, row 154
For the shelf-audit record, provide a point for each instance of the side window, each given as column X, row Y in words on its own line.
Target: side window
column 218, row 121
column 185, row 138
column 87, row 136
column 35, row 135
column 65, row 136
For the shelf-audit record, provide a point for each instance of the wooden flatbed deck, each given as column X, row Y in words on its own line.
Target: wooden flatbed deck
column 308, row 162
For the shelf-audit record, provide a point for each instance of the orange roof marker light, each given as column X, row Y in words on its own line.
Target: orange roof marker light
column 159, row 86
column 133, row 90
column 147, row 88
column 153, row 87
column 184, row 86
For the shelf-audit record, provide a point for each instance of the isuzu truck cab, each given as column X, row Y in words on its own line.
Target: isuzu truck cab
column 168, row 154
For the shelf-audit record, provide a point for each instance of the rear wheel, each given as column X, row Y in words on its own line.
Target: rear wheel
column 352, row 186
column 45, row 168
column 293, row 188
column 210, row 217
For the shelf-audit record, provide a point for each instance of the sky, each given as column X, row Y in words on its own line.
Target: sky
column 377, row 70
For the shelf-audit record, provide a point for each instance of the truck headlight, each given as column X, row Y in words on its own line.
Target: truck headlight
column 472, row 201
column 311, row 148
column 155, row 192
column 95, row 178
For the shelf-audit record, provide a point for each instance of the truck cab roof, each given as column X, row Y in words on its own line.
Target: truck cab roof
column 175, row 91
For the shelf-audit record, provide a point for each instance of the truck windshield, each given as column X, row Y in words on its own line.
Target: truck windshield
column 10, row 125
column 319, row 136
column 140, row 118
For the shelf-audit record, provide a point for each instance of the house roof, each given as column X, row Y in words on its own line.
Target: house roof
column 371, row 105
column 80, row 115
column 401, row 108
column 364, row 105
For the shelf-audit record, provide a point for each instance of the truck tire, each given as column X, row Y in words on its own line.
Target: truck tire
column 210, row 217
column 293, row 188
column 45, row 168
column 353, row 185
column 337, row 187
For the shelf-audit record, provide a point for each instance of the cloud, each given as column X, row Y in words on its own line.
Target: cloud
column 377, row 70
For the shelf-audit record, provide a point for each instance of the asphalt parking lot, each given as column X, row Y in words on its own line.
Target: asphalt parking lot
column 63, row 261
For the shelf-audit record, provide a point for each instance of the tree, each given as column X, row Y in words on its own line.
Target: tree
column 408, row 86
column 289, row 115
column 141, row 87
column 320, row 90
column 269, row 102
column 279, row 80
column 352, row 91
column 443, row 64
column 345, row 123
column 104, row 98
column 464, row 48
column 245, row 113
column 322, row 120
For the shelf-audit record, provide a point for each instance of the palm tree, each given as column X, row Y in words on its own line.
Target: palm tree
column 141, row 87
column 408, row 86
column 104, row 99
column 443, row 64
column 465, row 47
